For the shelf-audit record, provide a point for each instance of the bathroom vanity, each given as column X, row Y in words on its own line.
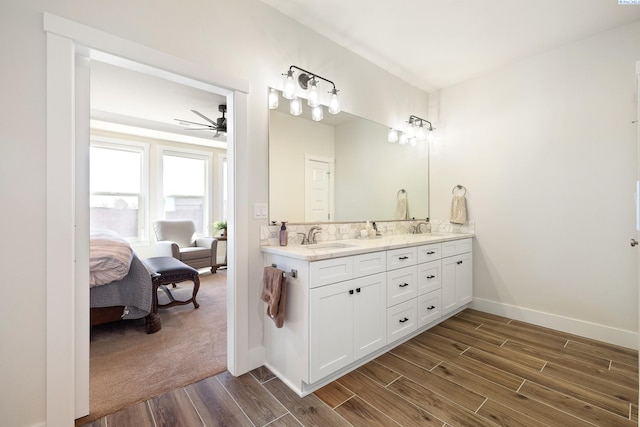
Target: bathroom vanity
column 351, row 300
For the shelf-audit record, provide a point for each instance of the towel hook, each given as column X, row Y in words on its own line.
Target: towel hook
column 459, row 187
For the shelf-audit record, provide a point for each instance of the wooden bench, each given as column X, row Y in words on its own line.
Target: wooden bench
column 169, row 271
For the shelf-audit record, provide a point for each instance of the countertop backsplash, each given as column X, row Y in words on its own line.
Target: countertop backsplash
column 269, row 235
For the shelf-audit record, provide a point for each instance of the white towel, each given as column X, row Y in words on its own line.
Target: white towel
column 458, row 210
column 402, row 208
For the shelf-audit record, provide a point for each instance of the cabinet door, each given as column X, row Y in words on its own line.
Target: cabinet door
column 369, row 320
column 457, row 288
column 330, row 329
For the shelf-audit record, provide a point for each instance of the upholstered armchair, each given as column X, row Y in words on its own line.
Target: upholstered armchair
column 177, row 238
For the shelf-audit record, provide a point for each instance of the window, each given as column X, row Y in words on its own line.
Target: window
column 118, row 189
column 185, row 187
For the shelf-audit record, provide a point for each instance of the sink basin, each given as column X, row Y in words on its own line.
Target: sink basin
column 330, row 245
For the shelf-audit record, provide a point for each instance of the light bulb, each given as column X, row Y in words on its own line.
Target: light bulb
column 410, row 130
column 404, row 138
column 393, row 135
column 334, row 103
column 314, row 97
column 289, row 86
column 273, row 99
column 295, row 106
column 316, row 113
column 432, row 135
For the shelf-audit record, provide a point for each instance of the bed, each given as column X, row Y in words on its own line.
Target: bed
column 120, row 284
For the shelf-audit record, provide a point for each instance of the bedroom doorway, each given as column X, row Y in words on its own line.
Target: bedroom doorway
column 132, row 124
column 69, row 46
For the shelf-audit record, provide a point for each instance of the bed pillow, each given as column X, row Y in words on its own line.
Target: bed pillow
column 109, row 257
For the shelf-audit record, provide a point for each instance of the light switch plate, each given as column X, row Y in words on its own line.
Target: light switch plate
column 260, row 210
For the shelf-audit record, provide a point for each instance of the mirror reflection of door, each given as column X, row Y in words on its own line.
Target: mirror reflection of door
column 318, row 189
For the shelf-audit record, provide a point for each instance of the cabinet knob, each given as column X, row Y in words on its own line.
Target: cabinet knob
column 459, row 262
column 403, row 285
column 350, row 291
column 431, row 277
column 403, row 257
column 431, row 307
column 404, row 320
column 358, row 290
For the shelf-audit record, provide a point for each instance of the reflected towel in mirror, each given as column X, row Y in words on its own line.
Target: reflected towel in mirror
column 402, row 207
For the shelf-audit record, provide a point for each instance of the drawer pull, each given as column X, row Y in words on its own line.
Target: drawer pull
column 358, row 290
column 459, row 262
column 403, row 320
column 431, row 307
column 403, row 257
column 431, row 277
column 404, row 285
column 431, row 252
column 350, row 291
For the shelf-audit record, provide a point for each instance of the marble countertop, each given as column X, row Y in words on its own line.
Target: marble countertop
column 347, row 247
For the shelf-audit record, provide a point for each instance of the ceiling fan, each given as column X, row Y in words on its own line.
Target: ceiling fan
column 219, row 126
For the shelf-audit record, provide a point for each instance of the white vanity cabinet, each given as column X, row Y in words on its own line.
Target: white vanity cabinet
column 344, row 310
column 457, row 281
column 345, row 322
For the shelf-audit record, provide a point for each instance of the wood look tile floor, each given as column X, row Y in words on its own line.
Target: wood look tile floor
column 474, row 369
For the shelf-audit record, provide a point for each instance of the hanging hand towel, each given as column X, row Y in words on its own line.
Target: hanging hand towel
column 402, row 208
column 274, row 293
column 458, row 210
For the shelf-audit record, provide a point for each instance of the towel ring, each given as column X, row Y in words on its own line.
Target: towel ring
column 459, row 187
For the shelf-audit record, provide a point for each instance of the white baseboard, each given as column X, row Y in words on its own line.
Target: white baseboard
column 628, row 339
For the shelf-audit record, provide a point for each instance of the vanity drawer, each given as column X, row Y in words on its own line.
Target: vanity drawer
column 402, row 285
column 429, row 308
column 401, row 320
column 428, row 253
column 429, row 277
column 455, row 247
column 371, row 263
column 398, row 258
column 330, row 271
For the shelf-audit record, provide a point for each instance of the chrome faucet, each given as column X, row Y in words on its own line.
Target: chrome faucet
column 311, row 235
column 418, row 229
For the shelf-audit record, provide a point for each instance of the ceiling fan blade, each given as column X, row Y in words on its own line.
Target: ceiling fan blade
column 206, row 118
column 187, row 123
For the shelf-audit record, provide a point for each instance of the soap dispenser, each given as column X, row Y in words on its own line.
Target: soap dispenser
column 284, row 235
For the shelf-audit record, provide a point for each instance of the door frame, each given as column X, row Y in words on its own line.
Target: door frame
column 67, row 351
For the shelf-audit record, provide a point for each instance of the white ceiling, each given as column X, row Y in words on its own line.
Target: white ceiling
column 437, row 43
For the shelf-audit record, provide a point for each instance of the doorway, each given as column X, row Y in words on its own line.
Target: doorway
column 70, row 44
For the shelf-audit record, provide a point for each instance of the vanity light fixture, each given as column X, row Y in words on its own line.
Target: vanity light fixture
column 307, row 81
column 415, row 130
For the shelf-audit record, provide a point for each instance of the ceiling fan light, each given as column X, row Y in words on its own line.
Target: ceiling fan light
column 295, row 106
column 273, row 99
column 289, row 86
column 334, row 103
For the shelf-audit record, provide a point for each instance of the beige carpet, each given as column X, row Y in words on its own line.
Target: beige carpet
column 129, row 366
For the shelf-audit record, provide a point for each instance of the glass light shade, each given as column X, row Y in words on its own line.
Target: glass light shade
column 334, row 103
column 404, row 138
column 295, row 106
column 314, row 97
column 431, row 136
column 316, row 113
column 273, row 99
column 289, row 85
column 393, row 135
column 421, row 133
column 412, row 141
column 410, row 130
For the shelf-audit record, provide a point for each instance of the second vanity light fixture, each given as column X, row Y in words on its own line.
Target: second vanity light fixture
column 415, row 130
column 307, row 81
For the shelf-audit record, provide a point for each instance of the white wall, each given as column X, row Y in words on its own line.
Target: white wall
column 242, row 38
column 547, row 151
